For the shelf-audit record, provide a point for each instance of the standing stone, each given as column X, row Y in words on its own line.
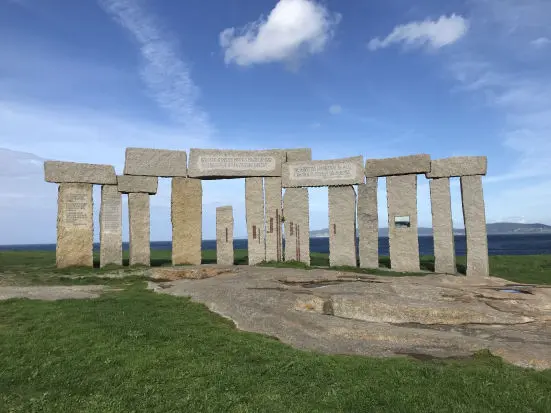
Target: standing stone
column 273, row 196
column 110, row 219
column 342, row 226
column 139, row 229
column 224, row 235
column 474, row 216
column 254, row 206
column 368, row 223
column 402, row 222
column 75, row 225
column 442, row 226
column 186, row 216
column 297, row 225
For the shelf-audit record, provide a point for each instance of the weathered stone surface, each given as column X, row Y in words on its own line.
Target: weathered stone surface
column 403, row 240
column 297, row 225
column 186, row 215
column 155, row 162
column 333, row 172
column 434, row 315
column 85, row 173
column 402, row 165
column 273, row 213
column 254, row 206
column 215, row 163
column 474, row 216
column 442, row 226
column 110, row 221
column 368, row 223
column 75, row 225
column 224, row 235
column 458, row 166
column 300, row 154
column 139, row 229
column 342, row 226
column 52, row 293
column 137, row 184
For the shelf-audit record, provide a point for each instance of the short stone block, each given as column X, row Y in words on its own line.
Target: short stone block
column 224, row 235
column 74, row 172
column 458, row 166
column 139, row 229
column 368, row 223
column 297, row 225
column 334, row 172
column 137, row 184
column 300, row 154
column 155, row 162
column 402, row 165
column 254, row 206
column 342, row 226
column 442, row 226
column 186, row 216
column 110, row 221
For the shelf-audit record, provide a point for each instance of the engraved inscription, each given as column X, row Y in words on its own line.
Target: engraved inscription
column 236, row 163
column 111, row 218
column 337, row 170
column 77, row 211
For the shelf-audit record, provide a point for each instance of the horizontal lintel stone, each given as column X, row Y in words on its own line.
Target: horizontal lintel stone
column 155, row 162
column 83, row 173
column 402, row 165
column 299, row 154
column 458, row 166
column 332, row 172
column 131, row 184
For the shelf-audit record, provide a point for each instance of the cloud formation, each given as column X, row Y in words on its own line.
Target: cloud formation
column 293, row 29
column 335, row 109
column 429, row 33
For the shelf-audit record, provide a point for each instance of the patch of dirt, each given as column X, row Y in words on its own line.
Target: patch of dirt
column 189, row 273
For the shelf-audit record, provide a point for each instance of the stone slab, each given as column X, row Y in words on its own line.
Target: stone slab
column 474, row 217
column 368, row 224
column 402, row 165
column 297, row 225
column 333, row 172
column 442, row 226
column 403, row 240
column 110, row 221
column 75, row 225
column 342, row 226
column 155, row 162
column 299, row 154
column 186, row 216
column 224, row 235
column 254, row 206
column 139, row 229
column 137, row 184
column 273, row 213
column 458, row 166
column 214, row 163
column 74, row 172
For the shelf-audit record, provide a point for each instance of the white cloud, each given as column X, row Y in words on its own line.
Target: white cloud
column 335, row 109
column 434, row 34
column 541, row 42
column 293, row 29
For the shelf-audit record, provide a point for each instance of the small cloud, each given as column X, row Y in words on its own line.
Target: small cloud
column 435, row 34
column 335, row 109
column 315, row 125
column 541, row 42
column 294, row 28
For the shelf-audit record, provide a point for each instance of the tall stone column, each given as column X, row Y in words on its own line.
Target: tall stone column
column 297, row 225
column 139, row 229
column 368, row 223
column 342, row 226
column 75, row 225
column 442, row 226
column 110, row 226
column 186, row 216
column 224, row 235
column 474, row 216
column 274, row 238
column 402, row 222
column 254, row 206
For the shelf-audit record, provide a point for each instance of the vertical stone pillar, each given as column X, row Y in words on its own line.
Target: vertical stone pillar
column 297, row 225
column 442, row 226
column 474, row 216
column 139, row 229
column 254, row 206
column 273, row 197
column 75, row 225
column 224, row 235
column 342, row 226
column 186, row 216
column 402, row 222
column 368, row 223
column 110, row 220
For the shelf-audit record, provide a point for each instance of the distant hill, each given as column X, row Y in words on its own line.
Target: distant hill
column 495, row 228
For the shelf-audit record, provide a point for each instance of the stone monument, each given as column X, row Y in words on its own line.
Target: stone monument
column 224, row 235
column 368, row 224
column 110, row 221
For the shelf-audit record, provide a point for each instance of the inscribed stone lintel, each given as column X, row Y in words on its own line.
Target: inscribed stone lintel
column 333, row 172
column 214, row 163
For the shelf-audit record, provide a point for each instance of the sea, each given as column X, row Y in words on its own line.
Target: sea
column 517, row 244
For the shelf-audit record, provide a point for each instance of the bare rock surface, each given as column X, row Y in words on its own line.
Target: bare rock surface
column 350, row 313
column 52, row 293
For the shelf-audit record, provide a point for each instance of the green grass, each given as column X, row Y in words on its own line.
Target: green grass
column 136, row 351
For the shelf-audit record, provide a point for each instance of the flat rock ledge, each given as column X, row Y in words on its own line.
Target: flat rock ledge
column 52, row 293
column 433, row 316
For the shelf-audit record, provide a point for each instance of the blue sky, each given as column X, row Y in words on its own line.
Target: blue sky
column 80, row 81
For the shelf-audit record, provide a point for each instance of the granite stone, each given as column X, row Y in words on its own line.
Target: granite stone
column 333, row 172
column 224, row 235
column 342, row 226
column 402, row 165
column 368, row 224
column 186, row 216
column 139, row 229
column 297, row 225
column 442, row 226
column 273, row 214
column 85, row 173
column 458, row 166
column 110, row 220
column 215, row 163
column 254, row 206
column 137, row 184
column 155, row 162
column 299, row 154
